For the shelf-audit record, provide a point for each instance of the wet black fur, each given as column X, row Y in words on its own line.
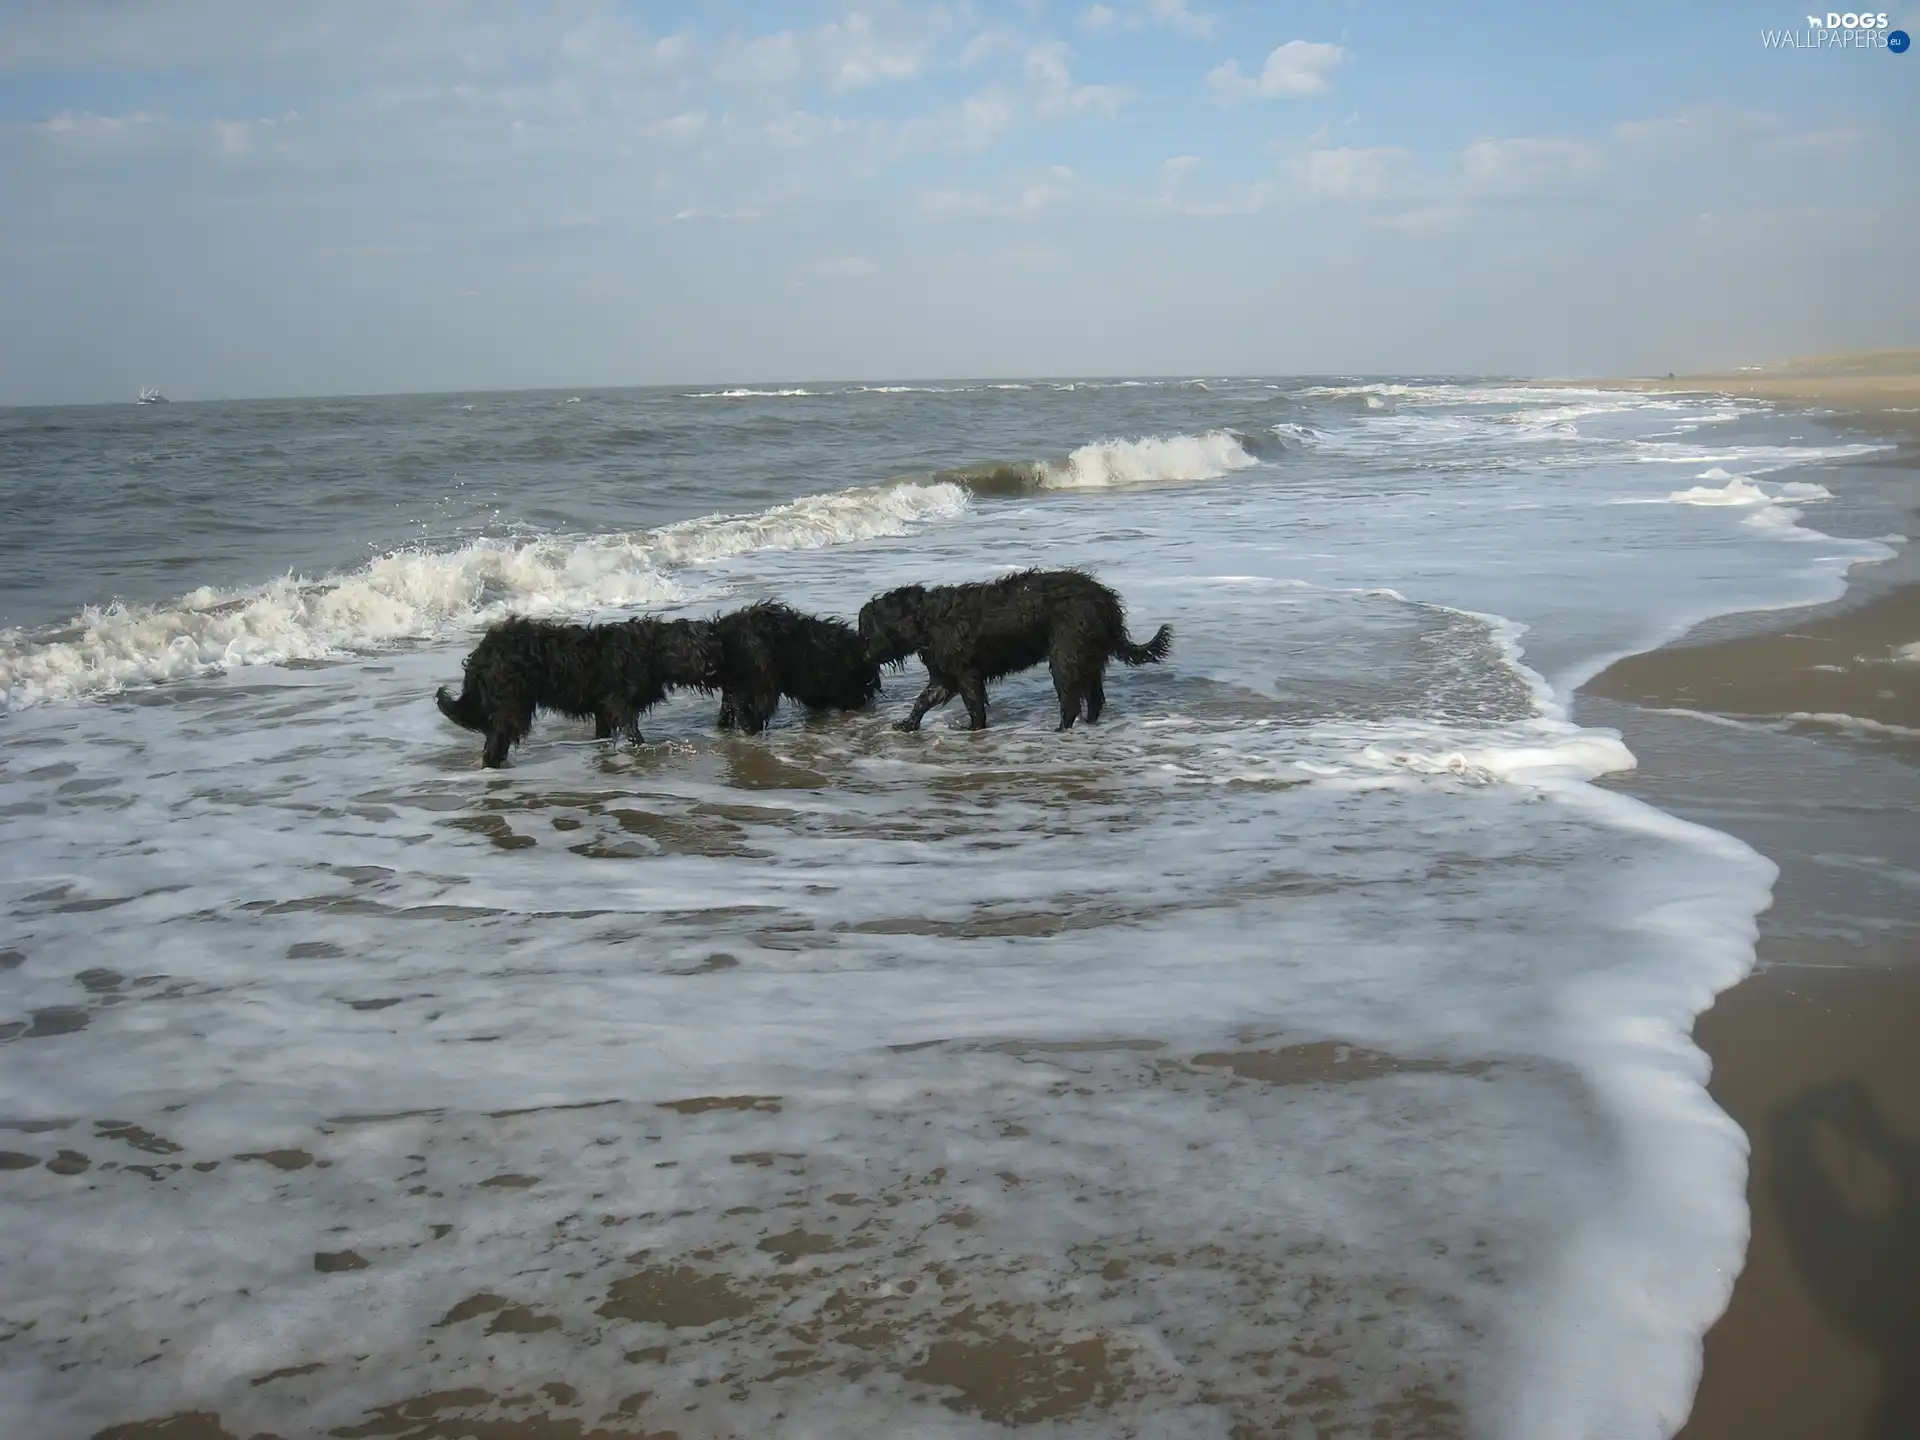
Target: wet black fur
column 768, row 650
column 610, row 674
column 967, row 635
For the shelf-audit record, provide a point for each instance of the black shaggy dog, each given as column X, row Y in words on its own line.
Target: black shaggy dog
column 611, row 674
column 768, row 650
column 967, row 635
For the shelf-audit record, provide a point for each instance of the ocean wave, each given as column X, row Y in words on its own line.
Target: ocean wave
column 743, row 394
column 417, row 594
column 996, row 477
column 1851, row 724
column 1744, row 490
column 1908, row 652
column 1149, row 459
column 1276, row 441
column 1753, row 459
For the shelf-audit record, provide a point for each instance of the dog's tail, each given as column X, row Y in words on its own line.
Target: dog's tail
column 1151, row 653
column 464, row 711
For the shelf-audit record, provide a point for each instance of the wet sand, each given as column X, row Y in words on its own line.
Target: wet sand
column 1830, row 666
column 1817, row 1055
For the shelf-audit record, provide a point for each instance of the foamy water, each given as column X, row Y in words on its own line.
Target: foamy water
column 1306, row 1043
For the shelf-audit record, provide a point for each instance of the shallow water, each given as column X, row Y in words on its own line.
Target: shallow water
column 1303, row 1048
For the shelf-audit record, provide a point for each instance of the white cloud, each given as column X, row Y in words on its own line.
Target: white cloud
column 982, row 119
column 1247, row 200
column 234, row 138
column 695, row 212
column 857, row 57
column 243, row 139
column 1161, row 14
column 972, row 125
column 611, row 46
column 801, row 129
column 1035, row 255
column 764, row 63
column 85, row 125
column 1705, row 125
column 1423, row 220
column 372, row 250
column 1174, row 15
column 1047, row 70
column 848, row 54
column 1299, row 67
column 687, row 125
column 993, row 41
column 843, row 267
column 1052, row 186
column 1530, row 164
column 1348, row 173
column 1723, row 130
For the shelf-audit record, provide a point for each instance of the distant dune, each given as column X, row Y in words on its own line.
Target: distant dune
column 1858, row 380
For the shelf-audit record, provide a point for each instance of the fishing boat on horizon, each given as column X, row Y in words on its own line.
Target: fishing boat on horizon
column 151, row 396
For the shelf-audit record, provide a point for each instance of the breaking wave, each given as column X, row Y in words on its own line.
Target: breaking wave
column 1151, row 459
column 744, row 394
column 1744, row 490
column 416, row 594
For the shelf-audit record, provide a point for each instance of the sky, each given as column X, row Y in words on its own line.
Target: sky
column 230, row 198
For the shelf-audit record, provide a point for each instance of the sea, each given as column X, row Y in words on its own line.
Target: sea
column 1301, row 1051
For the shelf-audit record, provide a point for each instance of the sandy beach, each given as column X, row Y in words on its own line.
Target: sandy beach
column 1871, row 382
column 1798, row 732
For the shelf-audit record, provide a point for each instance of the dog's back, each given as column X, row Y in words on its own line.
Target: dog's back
column 1019, row 620
column 968, row 635
column 610, row 674
column 769, row 650
column 525, row 663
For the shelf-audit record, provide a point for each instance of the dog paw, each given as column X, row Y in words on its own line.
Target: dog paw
column 906, row 727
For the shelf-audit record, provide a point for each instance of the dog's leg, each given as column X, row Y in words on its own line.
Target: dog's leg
column 1069, row 686
column 1096, row 698
column 604, row 725
column 973, row 694
column 937, row 693
column 625, row 720
column 500, row 739
column 758, row 710
column 506, row 728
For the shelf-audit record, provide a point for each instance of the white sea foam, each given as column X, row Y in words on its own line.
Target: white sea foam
column 1752, row 459
column 1908, row 652
column 420, row 594
column 1148, row 459
column 741, row 393
column 1744, row 490
column 1851, row 724
column 903, row 943
column 1349, row 822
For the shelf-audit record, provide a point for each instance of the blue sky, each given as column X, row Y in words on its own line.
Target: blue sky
column 236, row 198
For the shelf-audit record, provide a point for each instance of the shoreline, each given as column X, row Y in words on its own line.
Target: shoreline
column 1867, row 383
column 1743, row 725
